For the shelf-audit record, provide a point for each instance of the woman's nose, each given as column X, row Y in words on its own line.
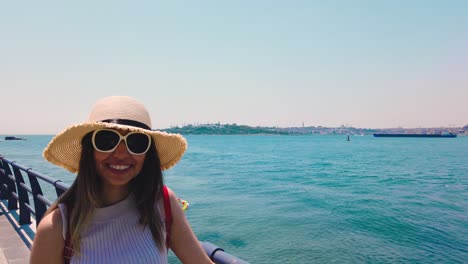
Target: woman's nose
column 121, row 150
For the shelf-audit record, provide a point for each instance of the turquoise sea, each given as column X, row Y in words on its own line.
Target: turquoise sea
column 316, row 199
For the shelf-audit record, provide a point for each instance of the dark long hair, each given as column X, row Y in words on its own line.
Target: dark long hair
column 83, row 196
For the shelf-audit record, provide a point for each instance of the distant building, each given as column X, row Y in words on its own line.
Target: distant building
column 463, row 130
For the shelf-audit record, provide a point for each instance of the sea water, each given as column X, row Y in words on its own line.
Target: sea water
column 315, row 199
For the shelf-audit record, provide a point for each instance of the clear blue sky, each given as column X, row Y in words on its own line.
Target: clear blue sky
column 370, row 64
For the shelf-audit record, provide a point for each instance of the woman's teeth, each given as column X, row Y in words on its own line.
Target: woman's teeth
column 119, row 167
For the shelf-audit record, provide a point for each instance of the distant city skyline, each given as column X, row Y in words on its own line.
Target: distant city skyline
column 366, row 64
column 234, row 129
column 305, row 125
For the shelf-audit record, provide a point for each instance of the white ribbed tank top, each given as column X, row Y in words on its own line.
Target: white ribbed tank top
column 115, row 236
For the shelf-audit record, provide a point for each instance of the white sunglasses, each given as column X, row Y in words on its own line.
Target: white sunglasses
column 107, row 140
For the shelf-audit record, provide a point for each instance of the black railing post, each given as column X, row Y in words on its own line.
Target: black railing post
column 3, row 192
column 25, row 215
column 11, row 188
column 60, row 188
column 39, row 207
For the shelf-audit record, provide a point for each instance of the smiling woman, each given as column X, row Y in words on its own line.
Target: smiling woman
column 116, row 210
column 119, row 165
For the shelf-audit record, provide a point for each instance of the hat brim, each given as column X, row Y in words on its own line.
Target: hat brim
column 65, row 148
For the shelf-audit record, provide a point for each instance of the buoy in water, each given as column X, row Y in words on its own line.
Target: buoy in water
column 183, row 203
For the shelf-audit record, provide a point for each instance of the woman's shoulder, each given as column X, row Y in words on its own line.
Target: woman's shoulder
column 48, row 242
column 51, row 225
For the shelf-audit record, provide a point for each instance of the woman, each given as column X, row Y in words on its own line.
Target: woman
column 117, row 208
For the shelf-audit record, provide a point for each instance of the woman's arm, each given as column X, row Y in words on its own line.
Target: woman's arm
column 183, row 241
column 48, row 243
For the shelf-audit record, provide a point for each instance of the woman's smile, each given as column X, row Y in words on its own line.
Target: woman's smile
column 118, row 167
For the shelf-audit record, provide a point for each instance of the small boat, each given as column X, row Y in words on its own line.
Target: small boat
column 14, row 138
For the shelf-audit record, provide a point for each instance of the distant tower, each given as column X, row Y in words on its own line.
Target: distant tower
column 302, row 124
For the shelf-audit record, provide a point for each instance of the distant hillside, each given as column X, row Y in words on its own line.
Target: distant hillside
column 223, row 129
column 234, row 129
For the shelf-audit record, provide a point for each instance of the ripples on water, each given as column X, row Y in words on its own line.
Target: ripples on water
column 321, row 199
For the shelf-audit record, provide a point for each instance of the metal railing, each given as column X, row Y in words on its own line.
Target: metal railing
column 17, row 192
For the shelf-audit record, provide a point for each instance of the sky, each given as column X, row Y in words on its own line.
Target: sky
column 366, row 64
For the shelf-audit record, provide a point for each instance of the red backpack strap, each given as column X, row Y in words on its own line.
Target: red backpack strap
column 168, row 213
column 68, row 248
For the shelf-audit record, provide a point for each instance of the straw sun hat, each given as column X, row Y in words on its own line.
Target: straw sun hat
column 113, row 112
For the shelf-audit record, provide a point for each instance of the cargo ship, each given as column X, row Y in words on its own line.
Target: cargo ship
column 441, row 135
